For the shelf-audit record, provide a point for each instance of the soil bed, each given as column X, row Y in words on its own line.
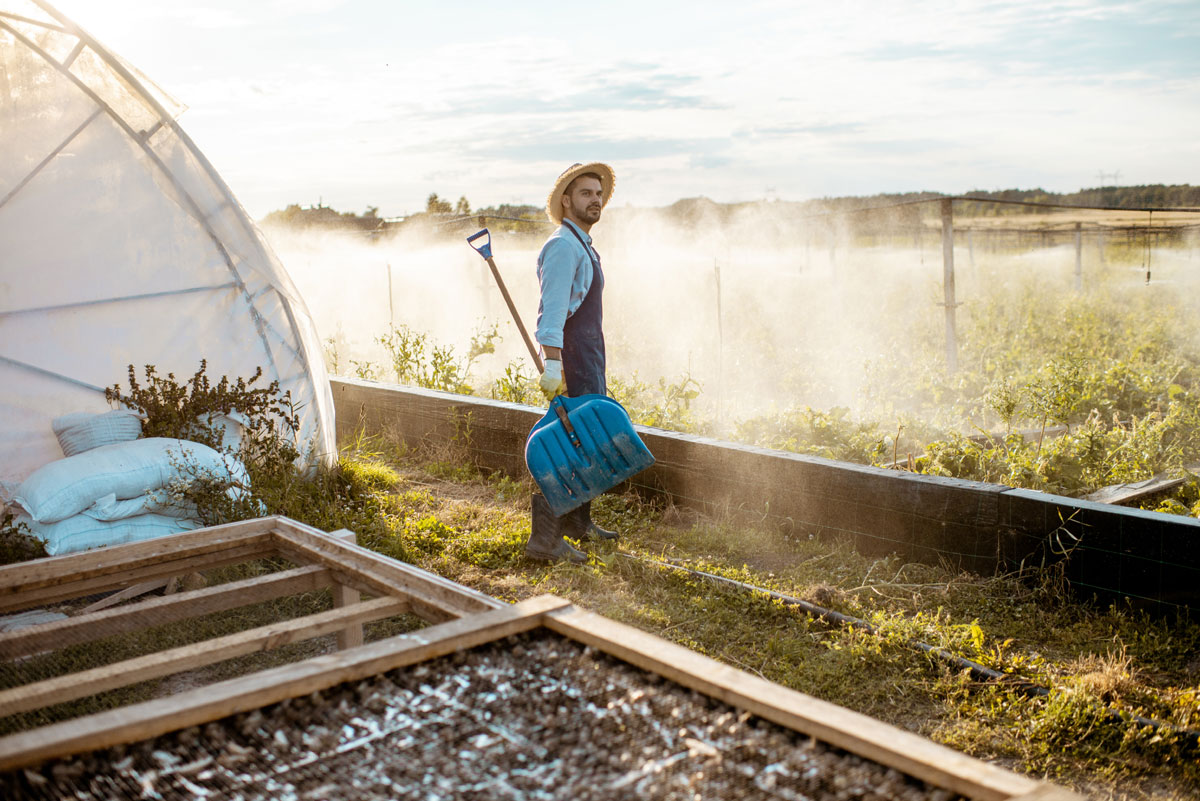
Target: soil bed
column 531, row 717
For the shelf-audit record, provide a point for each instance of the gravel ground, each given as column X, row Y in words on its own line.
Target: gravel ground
column 532, row 717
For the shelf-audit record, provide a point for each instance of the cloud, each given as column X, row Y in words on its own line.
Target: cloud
column 640, row 89
column 570, row 143
column 784, row 131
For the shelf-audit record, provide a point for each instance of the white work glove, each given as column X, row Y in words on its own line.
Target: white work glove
column 551, row 381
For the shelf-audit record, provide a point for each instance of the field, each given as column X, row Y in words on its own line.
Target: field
column 1100, row 667
column 829, row 337
column 831, row 345
column 454, row 521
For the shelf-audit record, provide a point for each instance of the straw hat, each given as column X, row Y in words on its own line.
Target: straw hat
column 607, row 181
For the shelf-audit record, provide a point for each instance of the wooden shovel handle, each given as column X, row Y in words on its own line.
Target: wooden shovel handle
column 537, row 360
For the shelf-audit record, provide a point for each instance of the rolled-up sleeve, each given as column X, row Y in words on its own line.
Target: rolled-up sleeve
column 556, row 274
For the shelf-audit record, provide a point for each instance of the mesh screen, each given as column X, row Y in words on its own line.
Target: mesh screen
column 165, row 621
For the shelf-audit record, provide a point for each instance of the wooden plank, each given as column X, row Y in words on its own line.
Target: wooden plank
column 259, row 547
column 351, row 636
column 125, row 595
column 1050, row 792
column 835, row 725
column 167, row 609
column 116, row 558
column 1120, row 494
column 368, row 582
column 188, row 657
column 423, row 586
column 152, row 718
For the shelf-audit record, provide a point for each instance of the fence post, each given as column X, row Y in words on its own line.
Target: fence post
column 391, row 307
column 1078, row 257
column 352, row 635
column 720, row 344
column 948, row 283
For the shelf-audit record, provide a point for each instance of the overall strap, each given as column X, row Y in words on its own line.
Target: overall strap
column 591, row 253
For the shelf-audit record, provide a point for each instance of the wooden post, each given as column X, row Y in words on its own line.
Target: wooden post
column 948, row 283
column 352, row 635
column 971, row 249
column 391, row 309
column 720, row 343
column 1079, row 257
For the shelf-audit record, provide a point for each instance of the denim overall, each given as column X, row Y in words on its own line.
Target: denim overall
column 583, row 336
column 583, row 359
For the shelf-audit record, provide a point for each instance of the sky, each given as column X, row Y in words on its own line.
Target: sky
column 358, row 103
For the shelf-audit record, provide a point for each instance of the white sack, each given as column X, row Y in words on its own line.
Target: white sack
column 82, row 431
column 157, row 501
column 81, row 533
column 66, row 487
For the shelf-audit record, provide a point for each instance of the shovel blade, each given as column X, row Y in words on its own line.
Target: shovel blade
column 609, row 451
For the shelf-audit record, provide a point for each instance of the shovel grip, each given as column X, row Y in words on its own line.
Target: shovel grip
column 485, row 249
column 561, row 411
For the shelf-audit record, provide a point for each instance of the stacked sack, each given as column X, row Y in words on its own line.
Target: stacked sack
column 114, row 488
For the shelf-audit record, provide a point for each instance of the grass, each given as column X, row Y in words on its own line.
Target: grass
column 1095, row 662
column 1102, row 666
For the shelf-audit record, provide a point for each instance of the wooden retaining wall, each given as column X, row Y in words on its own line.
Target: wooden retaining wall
column 1146, row 559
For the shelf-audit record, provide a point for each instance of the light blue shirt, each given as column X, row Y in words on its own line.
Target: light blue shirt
column 565, row 274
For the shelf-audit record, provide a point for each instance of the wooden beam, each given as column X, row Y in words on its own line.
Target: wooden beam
column 951, row 300
column 152, row 718
column 258, row 548
column 1131, row 491
column 351, row 636
column 125, row 595
column 1050, row 792
column 188, row 657
column 167, row 609
column 832, row 724
column 110, row 567
column 425, row 588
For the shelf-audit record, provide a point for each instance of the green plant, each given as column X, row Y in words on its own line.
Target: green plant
column 188, row 410
column 366, row 370
column 1054, row 395
column 332, row 361
column 417, row 361
column 663, row 405
column 517, row 386
column 17, row 543
column 345, row 495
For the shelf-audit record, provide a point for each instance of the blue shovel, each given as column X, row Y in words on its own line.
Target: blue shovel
column 583, row 446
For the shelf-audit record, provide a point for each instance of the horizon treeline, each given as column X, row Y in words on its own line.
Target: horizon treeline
column 437, row 209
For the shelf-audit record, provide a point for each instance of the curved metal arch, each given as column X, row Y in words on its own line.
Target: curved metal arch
column 189, row 203
column 115, row 65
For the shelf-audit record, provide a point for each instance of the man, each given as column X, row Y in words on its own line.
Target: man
column 570, row 331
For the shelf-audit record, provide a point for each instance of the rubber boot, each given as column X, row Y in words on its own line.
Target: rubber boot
column 578, row 524
column 546, row 535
